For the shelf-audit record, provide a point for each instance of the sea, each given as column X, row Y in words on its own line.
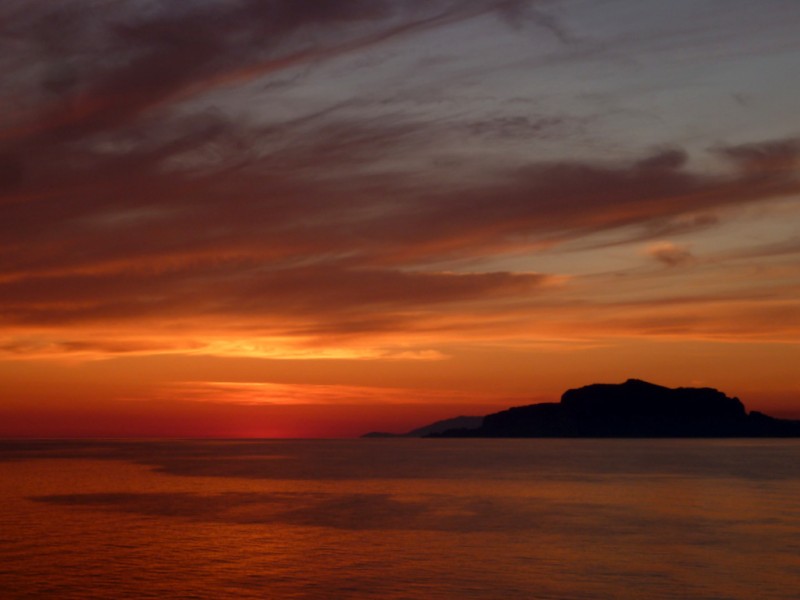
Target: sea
column 400, row 519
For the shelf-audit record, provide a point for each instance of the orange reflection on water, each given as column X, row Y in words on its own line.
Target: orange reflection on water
column 401, row 519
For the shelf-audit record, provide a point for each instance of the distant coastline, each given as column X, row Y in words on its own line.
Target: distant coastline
column 633, row 409
column 438, row 427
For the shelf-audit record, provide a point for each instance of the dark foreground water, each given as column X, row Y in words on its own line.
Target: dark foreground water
column 390, row 519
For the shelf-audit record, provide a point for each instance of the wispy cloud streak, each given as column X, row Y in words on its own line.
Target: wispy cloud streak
column 142, row 180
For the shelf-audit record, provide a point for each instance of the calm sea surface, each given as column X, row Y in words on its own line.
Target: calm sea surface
column 413, row 519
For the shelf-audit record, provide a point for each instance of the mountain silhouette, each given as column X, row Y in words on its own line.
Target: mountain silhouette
column 631, row 409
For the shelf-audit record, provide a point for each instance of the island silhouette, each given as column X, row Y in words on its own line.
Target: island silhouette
column 457, row 423
column 631, row 409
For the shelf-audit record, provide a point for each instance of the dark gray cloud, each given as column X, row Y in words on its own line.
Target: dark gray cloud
column 119, row 199
column 766, row 157
column 323, row 293
column 262, row 241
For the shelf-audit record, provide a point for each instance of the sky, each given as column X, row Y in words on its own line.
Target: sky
column 294, row 218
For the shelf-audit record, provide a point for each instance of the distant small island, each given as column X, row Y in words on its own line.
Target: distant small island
column 633, row 409
column 459, row 423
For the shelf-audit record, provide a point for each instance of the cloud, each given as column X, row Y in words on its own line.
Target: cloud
column 38, row 346
column 327, row 257
column 765, row 251
column 130, row 195
column 154, row 58
column 523, row 127
column 328, row 290
column 563, row 200
column 765, row 157
column 720, row 319
column 167, row 54
column 670, row 255
column 518, row 12
column 11, row 172
column 315, row 395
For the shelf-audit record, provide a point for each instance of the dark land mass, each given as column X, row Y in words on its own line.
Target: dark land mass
column 634, row 409
column 432, row 429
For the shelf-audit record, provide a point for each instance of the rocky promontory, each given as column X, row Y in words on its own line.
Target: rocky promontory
column 631, row 409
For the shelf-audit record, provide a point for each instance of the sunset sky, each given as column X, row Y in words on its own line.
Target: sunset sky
column 319, row 218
